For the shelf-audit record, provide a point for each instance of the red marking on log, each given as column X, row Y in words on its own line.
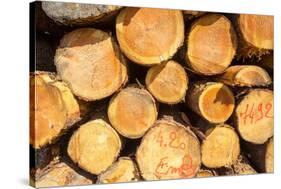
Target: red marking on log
column 262, row 113
column 185, row 170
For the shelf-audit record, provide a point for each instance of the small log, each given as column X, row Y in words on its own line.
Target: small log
column 78, row 13
column 168, row 150
column 212, row 100
column 255, row 34
column 221, row 147
column 89, row 60
column 240, row 167
column 124, row 170
column 254, row 116
column 60, row 174
column 202, row 173
column 149, row 36
column 53, row 109
column 167, row 82
column 211, row 44
column 94, row 146
column 262, row 155
column 245, row 76
column 132, row 112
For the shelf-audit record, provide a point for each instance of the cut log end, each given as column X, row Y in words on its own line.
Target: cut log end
column 124, row 170
column 94, row 146
column 52, row 109
column 257, row 30
column 177, row 149
column 167, row 82
column 254, row 116
column 221, row 147
column 132, row 112
column 61, row 175
column 213, row 101
column 245, row 76
column 149, row 36
column 211, row 44
column 89, row 60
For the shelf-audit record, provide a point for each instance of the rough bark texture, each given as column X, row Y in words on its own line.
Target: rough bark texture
column 94, row 146
column 78, row 14
column 167, row 82
column 132, row 112
column 212, row 100
column 124, row 170
column 149, row 36
column 93, row 55
column 262, row 155
column 245, row 76
column 211, row 44
column 240, row 167
column 177, row 149
column 254, row 116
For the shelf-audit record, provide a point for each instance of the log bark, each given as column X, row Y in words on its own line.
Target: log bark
column 262, row 155
column 124, row 170
column 221, row 147
column 211, row 44
column 255, row 34
column 245, row 76
column 213, row 101
column 94, row 146
column 240, row 167
column 168, row 150
column 132, row 112
column 89, row 60
column 254, row 116
column 149, row 36
column 60, row 174
column 53, row 109
column 77, row 13
column 167, row 82
column 267, row 61
column 202, row 173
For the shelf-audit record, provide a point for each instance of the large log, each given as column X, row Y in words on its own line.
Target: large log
column 254, row 116
column 262, row 155
column 221, row 147
column 255, row 33
column 245, row 76
column 211, row 44
column 94, row 146
column 149, row 36
column 212, row 100
column 89, row 60
column 168, row 150
column 132, row 112
column 124, row 170
column 78, row 13
column 167, row 82
column 53, row 109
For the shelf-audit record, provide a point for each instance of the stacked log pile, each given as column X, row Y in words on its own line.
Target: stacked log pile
column 121, row 94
